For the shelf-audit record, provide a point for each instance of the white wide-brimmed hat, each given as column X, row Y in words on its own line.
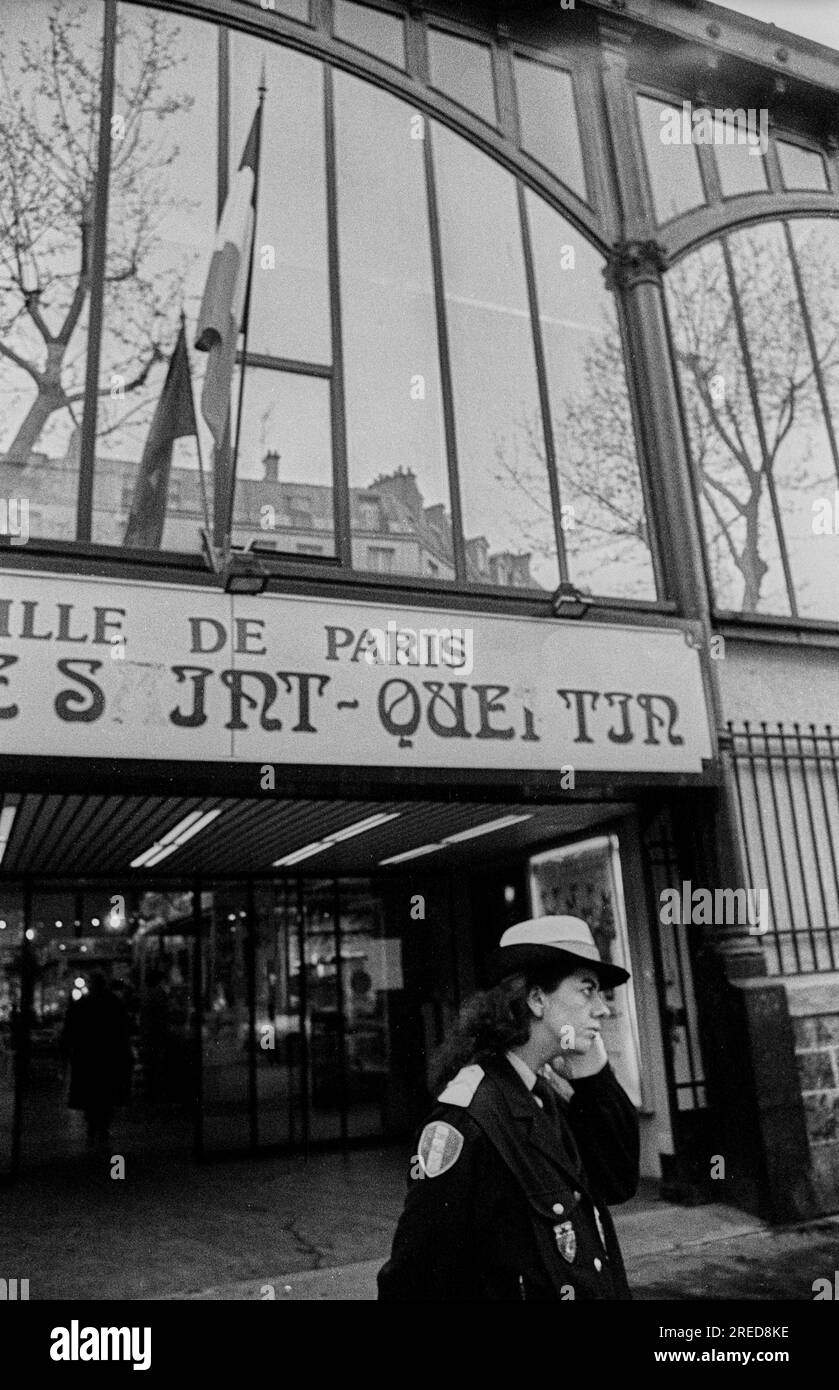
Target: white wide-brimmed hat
column 553, row 940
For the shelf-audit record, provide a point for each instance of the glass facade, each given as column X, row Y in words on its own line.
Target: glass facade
column 352, row 362
column 435, row 381
column 755, row 319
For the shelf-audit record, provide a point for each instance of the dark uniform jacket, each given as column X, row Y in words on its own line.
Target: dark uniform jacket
column 520, row 1211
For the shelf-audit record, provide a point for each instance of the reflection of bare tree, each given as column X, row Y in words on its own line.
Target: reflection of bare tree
column 48, row 161
column 596, row 463
column 726, row 445
column 593, row 427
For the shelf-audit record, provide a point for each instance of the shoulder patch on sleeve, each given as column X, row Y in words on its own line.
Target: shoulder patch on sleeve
column 462, row 1087
column 439, row 1148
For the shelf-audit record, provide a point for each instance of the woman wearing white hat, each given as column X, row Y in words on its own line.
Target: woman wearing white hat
column 508, row 1189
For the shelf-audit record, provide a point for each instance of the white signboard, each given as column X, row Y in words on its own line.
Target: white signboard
column 111, row 669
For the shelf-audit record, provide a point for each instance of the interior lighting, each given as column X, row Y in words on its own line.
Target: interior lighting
column 191, row 825
column 7, row 820
column 318, row 846
column 488, row 828
column 411, row 854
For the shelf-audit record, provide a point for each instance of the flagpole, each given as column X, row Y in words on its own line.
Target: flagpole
column 204, row 499
column 247, row 312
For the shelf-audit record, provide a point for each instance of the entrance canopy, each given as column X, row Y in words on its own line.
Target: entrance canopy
column 52, row 835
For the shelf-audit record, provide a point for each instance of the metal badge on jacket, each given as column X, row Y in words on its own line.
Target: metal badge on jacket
column 566, row 1240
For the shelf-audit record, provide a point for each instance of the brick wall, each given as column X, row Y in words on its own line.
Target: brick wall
column 817, row 1058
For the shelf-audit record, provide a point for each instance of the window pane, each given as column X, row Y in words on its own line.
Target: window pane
column 801, row 168
column 463, row 70
column 161, row 231
column 798, row 448
column 604, row 521
column 741, row 539
column 284, row 473
column 395, row 437
column 739, row 165
column 673, row 167
column 507, row 515
column 375, row 30
column 290, row 298
column 816, row 243
column 48, row 153
column 548, row 120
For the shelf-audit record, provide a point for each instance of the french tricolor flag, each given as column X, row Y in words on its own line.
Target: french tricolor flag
column 223, row 303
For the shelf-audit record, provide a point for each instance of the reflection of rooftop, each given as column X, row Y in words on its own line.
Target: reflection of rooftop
column 391, row 510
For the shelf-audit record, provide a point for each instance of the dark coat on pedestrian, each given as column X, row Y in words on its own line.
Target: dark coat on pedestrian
column 521, row 1211
column 95, row 1040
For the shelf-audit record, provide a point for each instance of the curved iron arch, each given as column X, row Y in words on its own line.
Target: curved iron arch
column 271, row 26
column 702, row 225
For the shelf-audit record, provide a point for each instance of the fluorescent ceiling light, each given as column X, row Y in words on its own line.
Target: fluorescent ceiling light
column 318, row 846
column 207, row 819
column 297, row 855
column 155, row 858
column 360, row 827
column 175, row 838
column 488, row 828
column 7, row 820
column 177, row 830
column 410, row 854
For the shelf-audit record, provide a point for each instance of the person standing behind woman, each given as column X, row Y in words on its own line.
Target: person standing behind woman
column 510, row 1183
column 96, row 1043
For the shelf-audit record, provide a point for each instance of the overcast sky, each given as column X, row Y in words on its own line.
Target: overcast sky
column 815, row 19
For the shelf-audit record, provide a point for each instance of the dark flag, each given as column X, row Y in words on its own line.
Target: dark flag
column 174, row 418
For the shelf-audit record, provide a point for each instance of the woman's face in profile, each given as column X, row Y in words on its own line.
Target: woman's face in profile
column 573, row 1012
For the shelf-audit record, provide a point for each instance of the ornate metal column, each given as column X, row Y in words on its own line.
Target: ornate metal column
column 747, row 1033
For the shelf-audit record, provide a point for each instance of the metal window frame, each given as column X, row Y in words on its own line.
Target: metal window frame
column 458, row 30
column 576, row 72
column 748, row 364
column 386, row 7
column 498, row 143
column 655, row 94
column 87, row 452
column 782, row 220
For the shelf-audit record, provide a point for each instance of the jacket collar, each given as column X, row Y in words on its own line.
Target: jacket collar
column 535, row 1124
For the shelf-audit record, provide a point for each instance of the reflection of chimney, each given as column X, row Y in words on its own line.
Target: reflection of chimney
column 271, row 466
column 436, row 516
column 402, row 484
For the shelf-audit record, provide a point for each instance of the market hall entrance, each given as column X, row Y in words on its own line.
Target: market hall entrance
column 275, row 1032
column 279, row 1008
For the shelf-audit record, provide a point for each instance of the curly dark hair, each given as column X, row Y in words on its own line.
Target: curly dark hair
column 491, row 1021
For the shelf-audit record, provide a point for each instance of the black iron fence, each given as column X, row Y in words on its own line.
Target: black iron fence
column 786, row 781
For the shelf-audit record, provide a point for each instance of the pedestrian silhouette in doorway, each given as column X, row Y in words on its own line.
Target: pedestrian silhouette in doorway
column 95, row 1042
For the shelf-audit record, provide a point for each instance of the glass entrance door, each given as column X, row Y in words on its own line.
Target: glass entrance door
column 295, row 983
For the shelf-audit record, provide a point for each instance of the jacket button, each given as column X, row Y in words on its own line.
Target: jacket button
column 558, row 1208
column 598, row 1265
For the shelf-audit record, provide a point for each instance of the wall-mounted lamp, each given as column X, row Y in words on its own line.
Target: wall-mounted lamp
column 568, row 602
column 244, row 574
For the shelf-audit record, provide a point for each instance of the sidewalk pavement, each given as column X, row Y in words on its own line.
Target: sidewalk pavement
column 320, row 1228
column 709, row 1252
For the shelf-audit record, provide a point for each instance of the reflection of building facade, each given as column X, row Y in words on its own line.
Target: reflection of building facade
column 393, row 531
column 517, row 364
